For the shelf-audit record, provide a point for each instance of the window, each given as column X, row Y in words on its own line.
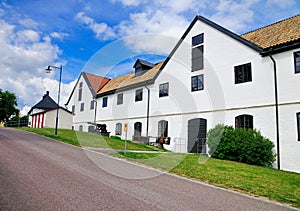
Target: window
column 298, row 125
column 243, row 73
column 138, row 95
column 82, row 107
column 73, row 109
column 163, row 128
column 138, row 129
column 92, row 106
column 297, row 61
column 164, row 90
column 104, row 102
column 197, row 58
column 80, row 128
column 120, row 99
column 196, row 40
column 197, row 83
column 197, row 52
column 118, row 129
column 80, row 92
column 244, row 121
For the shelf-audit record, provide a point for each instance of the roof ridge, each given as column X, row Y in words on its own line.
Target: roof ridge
column 270, row 24
column 94, row 74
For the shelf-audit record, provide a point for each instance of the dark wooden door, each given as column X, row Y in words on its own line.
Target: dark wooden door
column 197, row 129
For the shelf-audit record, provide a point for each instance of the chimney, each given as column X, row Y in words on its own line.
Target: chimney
column 45, row 95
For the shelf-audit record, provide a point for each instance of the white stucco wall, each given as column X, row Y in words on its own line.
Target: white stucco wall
column 64, row 119
column 82, row 117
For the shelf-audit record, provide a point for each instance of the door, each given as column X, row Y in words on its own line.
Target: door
column 197, row 129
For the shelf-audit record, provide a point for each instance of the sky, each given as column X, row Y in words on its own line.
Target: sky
column 105, row 37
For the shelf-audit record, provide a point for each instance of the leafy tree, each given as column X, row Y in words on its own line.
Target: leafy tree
column 241, row 145
column 8, row 103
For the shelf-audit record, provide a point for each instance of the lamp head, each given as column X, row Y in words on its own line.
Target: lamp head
column 48, row 70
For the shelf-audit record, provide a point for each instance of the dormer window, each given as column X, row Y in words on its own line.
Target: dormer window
column 141, row 67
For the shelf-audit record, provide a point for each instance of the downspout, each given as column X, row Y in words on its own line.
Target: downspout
column 276, row 110
column 95, row 115
column 148, row 109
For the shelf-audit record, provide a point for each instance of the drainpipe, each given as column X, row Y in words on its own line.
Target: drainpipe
column 148, row 109
column 95, row 115
column 276, row 110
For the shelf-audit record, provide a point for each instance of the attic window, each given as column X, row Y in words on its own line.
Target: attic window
column 139, row 71
column 141, row 67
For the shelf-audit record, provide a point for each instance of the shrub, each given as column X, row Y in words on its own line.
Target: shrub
column 241, row 145
column 116, row 137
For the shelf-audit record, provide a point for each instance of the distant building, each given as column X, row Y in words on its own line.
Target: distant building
column 43, row 114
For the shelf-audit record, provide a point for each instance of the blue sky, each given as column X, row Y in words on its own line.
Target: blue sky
column 106, row 37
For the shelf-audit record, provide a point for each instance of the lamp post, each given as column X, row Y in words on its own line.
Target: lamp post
column 48, row 70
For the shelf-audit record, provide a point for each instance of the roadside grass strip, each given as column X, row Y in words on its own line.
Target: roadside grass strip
column 281, row 186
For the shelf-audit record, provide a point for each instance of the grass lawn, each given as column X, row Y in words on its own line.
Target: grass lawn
column 271, row 183
column 85, row 139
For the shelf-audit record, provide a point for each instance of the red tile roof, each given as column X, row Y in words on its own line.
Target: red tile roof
column 97, row 82
column 282, row 32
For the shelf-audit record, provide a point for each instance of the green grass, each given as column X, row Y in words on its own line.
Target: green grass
column 85, row 139
column 273, row 184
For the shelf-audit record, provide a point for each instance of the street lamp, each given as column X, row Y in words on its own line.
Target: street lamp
column 49, row 70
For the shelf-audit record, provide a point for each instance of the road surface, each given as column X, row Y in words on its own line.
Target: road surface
column 37, row 173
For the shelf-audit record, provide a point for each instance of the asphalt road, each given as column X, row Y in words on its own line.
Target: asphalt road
column 38, row 173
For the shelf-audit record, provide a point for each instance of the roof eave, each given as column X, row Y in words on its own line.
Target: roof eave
column 280, row 48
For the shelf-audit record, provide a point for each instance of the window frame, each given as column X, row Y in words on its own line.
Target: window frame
column 162, row 130
column 120, row 97
column 136, row 126
column 92, row 105
column 197, row 54
column 163, row 90
column 118, row 130
column 246, row 123
column 244, row 70
column 80, row 91
column 195, row 38
column 298, row 124
column 82, row 107
column 104, row 102
column 139, row 92
column 193, row 89
column 73, row 109
column 297, row 56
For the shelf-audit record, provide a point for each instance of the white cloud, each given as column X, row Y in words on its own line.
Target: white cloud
column 28, row 36
column 23, row 56
column 59, row 36
column 282, row 4
column 130, row 2
column 102, row 30
column 234, row 15
column 28, row 23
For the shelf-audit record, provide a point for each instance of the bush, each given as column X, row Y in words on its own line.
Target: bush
column 241, row 145
column 116, row 137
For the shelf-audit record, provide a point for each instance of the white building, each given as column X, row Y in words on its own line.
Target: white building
column 82, row 101
column 213, row 76
column 43, row 114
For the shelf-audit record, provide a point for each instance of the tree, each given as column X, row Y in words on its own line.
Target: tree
column 8, row 103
